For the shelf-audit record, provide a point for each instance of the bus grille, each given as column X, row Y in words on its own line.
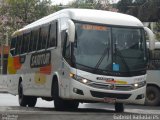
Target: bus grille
column 110, row 95
column 108, row 86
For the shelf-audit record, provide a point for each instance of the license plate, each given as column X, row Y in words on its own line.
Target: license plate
column 109, row 100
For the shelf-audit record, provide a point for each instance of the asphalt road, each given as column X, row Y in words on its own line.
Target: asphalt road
column 10, row 110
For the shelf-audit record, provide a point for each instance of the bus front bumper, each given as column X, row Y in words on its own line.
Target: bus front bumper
column 82, row 92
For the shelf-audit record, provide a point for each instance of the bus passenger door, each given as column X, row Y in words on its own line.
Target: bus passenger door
column 66, row 60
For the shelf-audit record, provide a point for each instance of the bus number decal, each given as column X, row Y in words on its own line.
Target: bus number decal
column 40, row 59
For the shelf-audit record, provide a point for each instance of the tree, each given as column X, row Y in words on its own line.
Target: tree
column 145, row 10
column 139, row 2
column 93, row 4
column 5, row 23
column 28, row 10
column 17, row 13
column 124, row 5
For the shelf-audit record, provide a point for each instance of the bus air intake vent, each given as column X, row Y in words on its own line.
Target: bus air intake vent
column 107, row 86
column 110, row 95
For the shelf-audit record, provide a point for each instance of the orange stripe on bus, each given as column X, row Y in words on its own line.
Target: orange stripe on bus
column 46, row 69
column 17, row 64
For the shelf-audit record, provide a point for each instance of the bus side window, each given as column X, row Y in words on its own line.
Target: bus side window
column 13, row 46
column 39, row 43
column 27, row 39
column 44, row 36
column 22, row 44
column 18, row 45
column 52, row 41
column 30, row 42
column 34, row 38
column 25, row 44
column 63, row 37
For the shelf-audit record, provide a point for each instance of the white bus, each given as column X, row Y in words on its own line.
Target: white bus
column 153, row 77
column 79, row 55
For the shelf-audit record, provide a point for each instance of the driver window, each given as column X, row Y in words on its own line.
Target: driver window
column 66, row 52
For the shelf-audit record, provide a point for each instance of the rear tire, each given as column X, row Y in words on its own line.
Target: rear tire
column 152, row 96
column 22, row 98
column 119, row 107
column 61, row 104
column 25, row 100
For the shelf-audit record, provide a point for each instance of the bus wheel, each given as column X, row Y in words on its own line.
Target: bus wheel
column 22, row 98
column 25, row 100
column 32, row 101
column 152, row 96
column 119, row 107
column 61, row 104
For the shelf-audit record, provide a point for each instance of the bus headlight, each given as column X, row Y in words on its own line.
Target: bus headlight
column 139, row 84
column 80, row 79
column 85, row 81
column 136, row 85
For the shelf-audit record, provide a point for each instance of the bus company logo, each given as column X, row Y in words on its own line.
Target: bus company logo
column 40, row 59
column 106, row 79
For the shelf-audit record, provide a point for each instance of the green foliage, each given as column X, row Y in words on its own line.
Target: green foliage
column 92, row 4
column 145, row 10
column 157, row 28
column 55, row 8
column 123, row 5
column 139, row 2
column 88, row 4
column 28, row 10
column 17, row 13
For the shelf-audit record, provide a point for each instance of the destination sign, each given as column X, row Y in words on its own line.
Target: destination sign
column 93, row 27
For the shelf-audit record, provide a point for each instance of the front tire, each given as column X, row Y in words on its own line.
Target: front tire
column 25, row 100
column 31, row 101
column 61, row 104
column 119, row 107
column 152, row 96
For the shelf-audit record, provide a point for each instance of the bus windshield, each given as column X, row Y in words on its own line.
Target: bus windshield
column 109, row 49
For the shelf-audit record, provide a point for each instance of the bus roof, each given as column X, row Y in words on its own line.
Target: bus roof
column 88, row 15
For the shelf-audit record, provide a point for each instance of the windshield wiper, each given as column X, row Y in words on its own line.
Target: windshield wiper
column 85, row 66
column 106, row 51
column 122, row 58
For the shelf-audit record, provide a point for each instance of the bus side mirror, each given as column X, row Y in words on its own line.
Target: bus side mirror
column 71, row 31
column 151, row 38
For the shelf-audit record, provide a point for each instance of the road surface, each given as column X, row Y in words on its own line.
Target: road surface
column 10, row 110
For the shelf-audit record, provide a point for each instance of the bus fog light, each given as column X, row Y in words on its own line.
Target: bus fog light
column 75, row 90
column 78, row 91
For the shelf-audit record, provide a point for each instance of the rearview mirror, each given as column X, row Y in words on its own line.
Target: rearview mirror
column 71, row 31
